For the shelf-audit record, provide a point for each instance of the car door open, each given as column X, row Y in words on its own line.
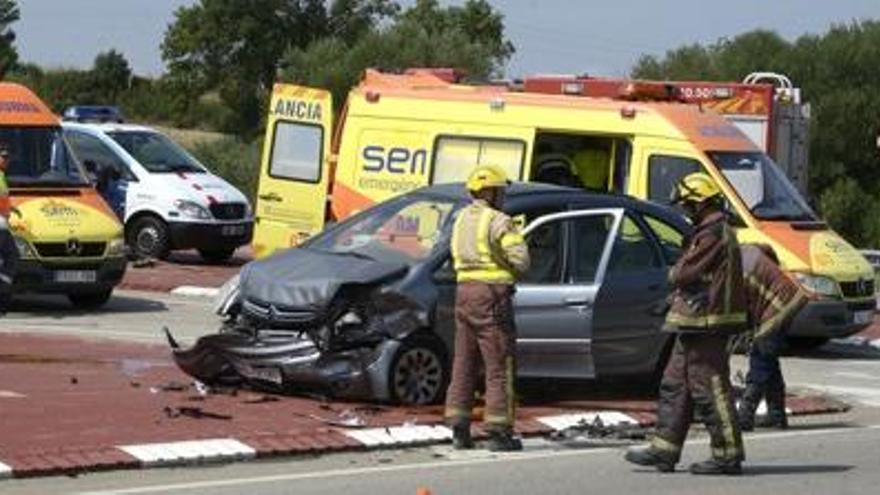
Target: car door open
column 554, row 299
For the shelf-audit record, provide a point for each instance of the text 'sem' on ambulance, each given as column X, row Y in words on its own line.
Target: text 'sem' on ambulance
column 401, row 132
column 69, row 240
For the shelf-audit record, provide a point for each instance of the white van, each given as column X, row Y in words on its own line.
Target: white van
column 166, row 198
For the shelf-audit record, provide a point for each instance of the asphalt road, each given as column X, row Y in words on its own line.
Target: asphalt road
column 827, row 454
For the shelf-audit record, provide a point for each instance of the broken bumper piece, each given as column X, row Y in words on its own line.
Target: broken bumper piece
column 285, row 362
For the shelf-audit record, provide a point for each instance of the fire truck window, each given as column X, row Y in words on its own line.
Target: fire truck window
column 664, row 172
column 296, row 152
column 622, row 160
column 456, row 156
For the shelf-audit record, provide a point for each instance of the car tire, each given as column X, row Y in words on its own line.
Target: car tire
column 148, row 238
column 806, row 343
column 217, row 255
column 90, row 300
column 419, row 371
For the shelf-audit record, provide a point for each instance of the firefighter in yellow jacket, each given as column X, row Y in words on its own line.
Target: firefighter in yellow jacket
column 708, row 306
column 488, row 254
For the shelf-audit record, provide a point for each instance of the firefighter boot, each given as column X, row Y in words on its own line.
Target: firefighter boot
column 504, row 441
column 716, row 466
column 776, row 417
column 648, row 456
column 461, row 437
column 747, row 406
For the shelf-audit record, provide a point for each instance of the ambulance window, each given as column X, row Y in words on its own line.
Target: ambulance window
column 664, row 172
column 455, row 157
column 671, row 240
column 296, row 152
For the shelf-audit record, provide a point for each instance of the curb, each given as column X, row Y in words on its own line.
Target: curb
column 195, row 291
column 858, row 342
column 333, row 440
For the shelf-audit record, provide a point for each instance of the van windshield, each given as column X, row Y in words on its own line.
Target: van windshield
column 762, row 186
column 156, row 153
column 40, row 157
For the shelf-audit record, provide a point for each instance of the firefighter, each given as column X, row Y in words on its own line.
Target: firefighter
column 773, row 299
column 8, row 250
column 488, row 254
column 707, row 307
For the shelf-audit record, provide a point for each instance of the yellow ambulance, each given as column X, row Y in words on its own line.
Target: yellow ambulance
column 69, row 241
column 399, row 132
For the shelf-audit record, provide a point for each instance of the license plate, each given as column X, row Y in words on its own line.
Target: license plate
column 231, row 230
column 861, row 317
column 266, row 374
column 76, row 276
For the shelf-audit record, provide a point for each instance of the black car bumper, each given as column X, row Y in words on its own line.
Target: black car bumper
column 832, row 319
column 33, row 275
column 185, row 235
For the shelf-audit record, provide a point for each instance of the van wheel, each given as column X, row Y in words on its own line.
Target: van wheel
column 90, row 300
column 148, row 238
column 217, row 255
column 419, row 372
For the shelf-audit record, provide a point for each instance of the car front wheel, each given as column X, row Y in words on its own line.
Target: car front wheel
column 148, row 238
column 419, row 372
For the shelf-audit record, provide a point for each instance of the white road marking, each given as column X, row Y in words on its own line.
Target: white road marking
column 194, row 291
column 506, row 458
column 5, row 471
column 10, row 394
column 399, row 435
column 152, row 454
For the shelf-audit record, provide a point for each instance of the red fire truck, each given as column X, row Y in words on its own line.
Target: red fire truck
column 765, row 106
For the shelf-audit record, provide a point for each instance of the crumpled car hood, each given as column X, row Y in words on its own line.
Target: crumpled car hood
column 306, row 279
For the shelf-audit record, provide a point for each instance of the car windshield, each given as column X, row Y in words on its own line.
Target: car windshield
column 762, row 186
column 403, row 230
column 156, row 153
column 40, row 157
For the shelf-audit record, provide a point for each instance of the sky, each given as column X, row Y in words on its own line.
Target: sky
column 551, row 36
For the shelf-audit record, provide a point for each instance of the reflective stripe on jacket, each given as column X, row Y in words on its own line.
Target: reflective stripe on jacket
column 773, row 298
column 5, row 203
column 708, row 281
column 486, row 246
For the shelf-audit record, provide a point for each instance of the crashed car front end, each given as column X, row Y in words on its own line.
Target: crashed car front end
column 339, row 349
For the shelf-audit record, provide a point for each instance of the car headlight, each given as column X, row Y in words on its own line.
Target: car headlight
column 192, row 209
column 227, row 295
column 116, row 247
column 818, row 284
column 24, row 248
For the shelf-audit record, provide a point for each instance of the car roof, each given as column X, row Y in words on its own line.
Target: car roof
column 524, row 194
column 107, row 126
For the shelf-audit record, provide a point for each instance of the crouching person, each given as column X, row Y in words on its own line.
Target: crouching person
column 773, row 299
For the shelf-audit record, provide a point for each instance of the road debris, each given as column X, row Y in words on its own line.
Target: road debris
column 597, row 429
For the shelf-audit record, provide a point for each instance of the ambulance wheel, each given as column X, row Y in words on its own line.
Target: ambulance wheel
column 148, row 238
column 419, row 372
column 90, row 300
column 217, row 255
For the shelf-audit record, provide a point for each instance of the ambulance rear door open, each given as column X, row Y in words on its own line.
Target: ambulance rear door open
column 295, row 169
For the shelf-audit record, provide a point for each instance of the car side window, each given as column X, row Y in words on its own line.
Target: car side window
column 633, row 250
column 671, row 239
column 664, row 172
column 547, row 253
column 88, row 148
column 589, row 236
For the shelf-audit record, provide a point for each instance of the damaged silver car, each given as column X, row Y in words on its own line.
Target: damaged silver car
column 364, row 309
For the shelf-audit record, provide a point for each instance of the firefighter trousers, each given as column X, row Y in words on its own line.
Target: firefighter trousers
column 697, row 379
column 484, row 330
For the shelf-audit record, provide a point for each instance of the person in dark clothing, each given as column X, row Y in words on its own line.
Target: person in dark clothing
column 773, row 299
column 707, row 307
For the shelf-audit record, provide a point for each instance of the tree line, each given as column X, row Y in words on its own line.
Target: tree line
column 222, row 57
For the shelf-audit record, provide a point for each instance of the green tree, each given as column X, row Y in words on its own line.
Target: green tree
column 470, row 38
column 9, row 13
column 234, row 46
column 111, row 74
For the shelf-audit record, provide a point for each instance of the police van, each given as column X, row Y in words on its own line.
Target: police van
column 398, row 132
column 167, row 199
